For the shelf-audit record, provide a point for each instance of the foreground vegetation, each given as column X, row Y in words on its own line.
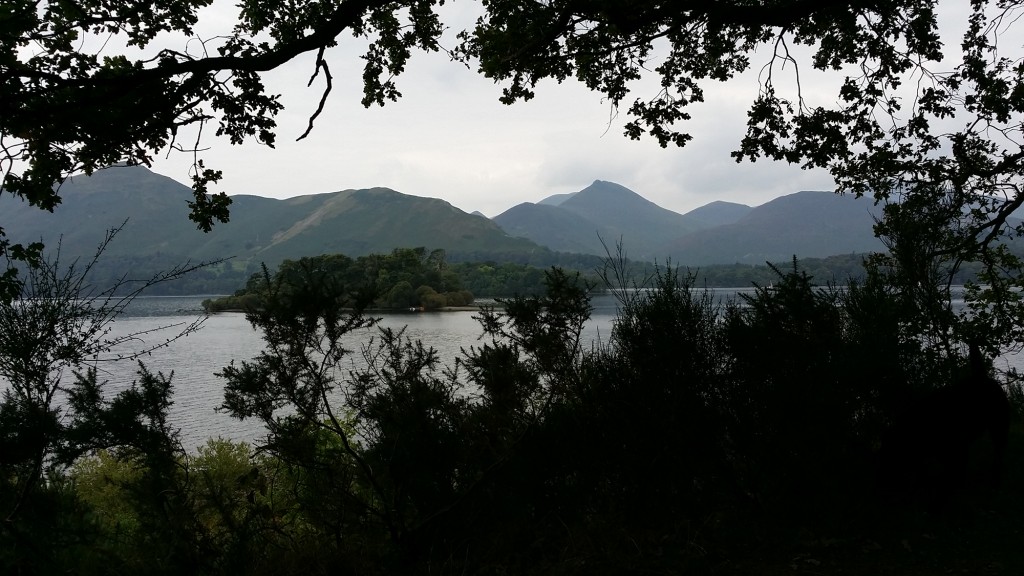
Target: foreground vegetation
column 703, row 439
column 741, row 439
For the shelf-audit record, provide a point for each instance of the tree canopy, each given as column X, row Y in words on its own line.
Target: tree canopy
column 406, row 278
column 930, row 125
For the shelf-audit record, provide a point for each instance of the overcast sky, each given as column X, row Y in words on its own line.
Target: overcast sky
column 448, row 137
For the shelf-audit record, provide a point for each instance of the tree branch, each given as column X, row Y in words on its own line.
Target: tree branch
column 320, row 64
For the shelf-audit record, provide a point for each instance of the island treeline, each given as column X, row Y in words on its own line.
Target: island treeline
column 702, row 438
column 403, row 279
column 426, row 279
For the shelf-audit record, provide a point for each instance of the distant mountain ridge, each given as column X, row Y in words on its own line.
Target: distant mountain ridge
column 359, row 222
column 555, row 227
column 718, row 213
column 809, row 224
column 805, row 224
column 557, row 199
column 602, row 212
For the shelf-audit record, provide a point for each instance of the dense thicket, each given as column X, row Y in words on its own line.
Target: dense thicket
column 56, row 411
column 405, row 278
column 704, row 438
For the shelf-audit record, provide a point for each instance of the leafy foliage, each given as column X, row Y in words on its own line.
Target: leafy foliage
column 59, row 324
column 66, row 109
column 940, row 148
column 761, row 413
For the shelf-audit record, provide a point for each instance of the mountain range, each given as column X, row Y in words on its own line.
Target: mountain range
column 153, row 208
column 806, row 224
column 603, row 212
column 358, row 222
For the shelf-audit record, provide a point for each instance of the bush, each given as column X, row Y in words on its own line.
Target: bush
column 460, row 298
column 699, row 427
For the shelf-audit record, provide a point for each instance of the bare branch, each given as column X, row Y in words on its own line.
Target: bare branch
column 320, row 64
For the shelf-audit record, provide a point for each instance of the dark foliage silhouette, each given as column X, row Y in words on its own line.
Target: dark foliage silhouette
column 700, row 436
column 926, row 454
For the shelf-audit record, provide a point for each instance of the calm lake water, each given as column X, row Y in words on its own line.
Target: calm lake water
column 196, row 358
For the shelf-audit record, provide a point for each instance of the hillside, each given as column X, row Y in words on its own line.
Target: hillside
column 555, row 227
column 359, row 222
column 155, row 205
column 377, row 220
column 717, row 213
column 355, row 222
column 807, row 224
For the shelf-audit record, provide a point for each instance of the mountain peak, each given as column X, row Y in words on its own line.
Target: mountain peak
column 598, row 189
column 610, row 196
column 604, row 210
column 718, row 213
column 608, row 187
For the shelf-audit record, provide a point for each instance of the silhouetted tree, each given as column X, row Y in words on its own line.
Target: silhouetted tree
column 925, row 455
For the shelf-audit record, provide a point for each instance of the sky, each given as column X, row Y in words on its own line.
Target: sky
column 448, row 137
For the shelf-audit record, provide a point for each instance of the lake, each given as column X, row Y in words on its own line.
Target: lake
column 196, row 358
